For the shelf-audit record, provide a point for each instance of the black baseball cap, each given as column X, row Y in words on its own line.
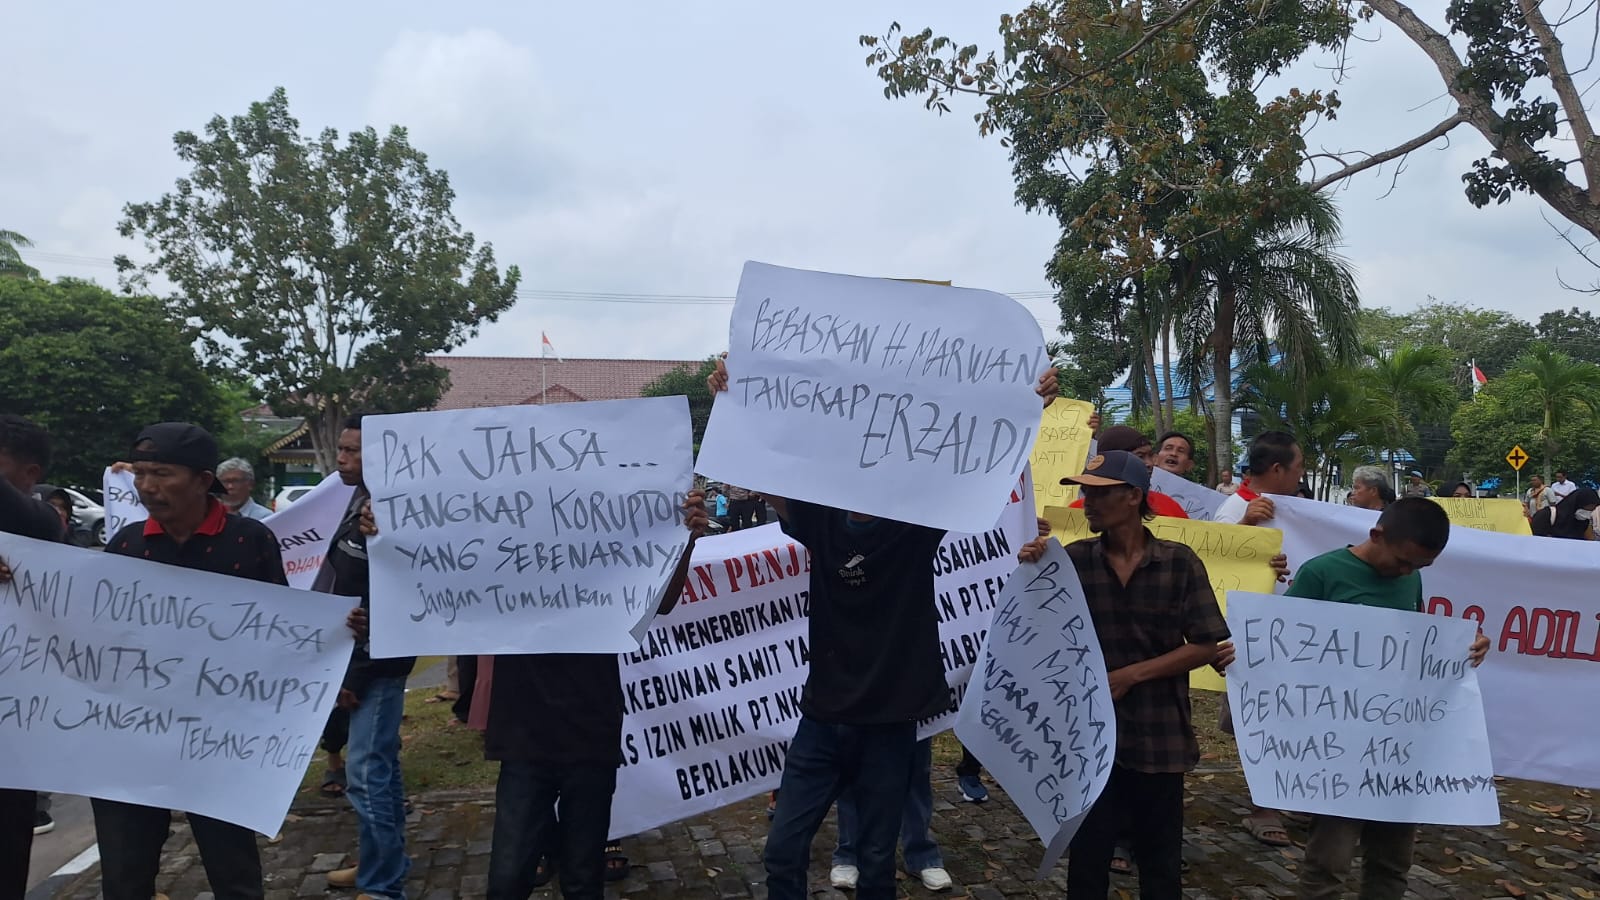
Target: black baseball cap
column 180, row 444
column 1113, row 467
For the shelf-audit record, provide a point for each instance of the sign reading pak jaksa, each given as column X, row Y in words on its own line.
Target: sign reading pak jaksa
column 524, row 529
column 158, row 685
column 909, row 401
column 1359, row 712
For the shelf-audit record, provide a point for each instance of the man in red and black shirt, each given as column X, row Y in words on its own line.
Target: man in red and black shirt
column 1129, row 439
column 174, row 471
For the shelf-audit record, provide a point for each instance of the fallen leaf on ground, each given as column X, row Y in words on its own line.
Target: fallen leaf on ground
column 1512, row 889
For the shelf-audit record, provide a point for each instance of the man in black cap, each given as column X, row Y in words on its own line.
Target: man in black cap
column 24, row 454
column 174, row 467
column 1157, row 619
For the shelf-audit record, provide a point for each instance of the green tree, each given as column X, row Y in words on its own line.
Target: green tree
column 11, row 262
column 688, row 380
column 94, row 368
column 1335, row 414
column 1415, row 380
column 1506, row 414
column 1281, row 285
column 324, row 270
column 1573, row 331
column 1565, row 391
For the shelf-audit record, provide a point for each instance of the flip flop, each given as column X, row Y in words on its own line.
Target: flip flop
column 543, row 872
column 444, row 697
column 616, row 863
column 1121, row 861
column 333, row 783
column 1267, row 828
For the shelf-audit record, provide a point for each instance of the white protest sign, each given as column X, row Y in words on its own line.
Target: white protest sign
column 1534, row 598
column 1360, row 712
column 713, row 693
column 304, row 528
column 909, row 401
column 163, row 686
column 1199, row 501
column 524, row 529
column 1041, row 716
column 122, row 501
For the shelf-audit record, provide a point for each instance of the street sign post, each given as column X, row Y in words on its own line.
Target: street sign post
column 1517, row 459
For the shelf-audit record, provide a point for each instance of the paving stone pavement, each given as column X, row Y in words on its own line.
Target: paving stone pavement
column 1545, row 852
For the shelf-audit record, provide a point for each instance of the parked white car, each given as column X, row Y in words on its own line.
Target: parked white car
column 290, row 494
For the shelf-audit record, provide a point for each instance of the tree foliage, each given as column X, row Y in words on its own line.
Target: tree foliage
column 688, row 380
column 11, row 262
column 1565, row 392
column 94, row 368
column 1506, row 414
column 325, row 270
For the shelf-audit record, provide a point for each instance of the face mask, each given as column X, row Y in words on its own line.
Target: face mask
column 1584, row 515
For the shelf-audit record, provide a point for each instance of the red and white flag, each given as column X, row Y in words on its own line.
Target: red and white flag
column 546, row 348
column 1478, row 378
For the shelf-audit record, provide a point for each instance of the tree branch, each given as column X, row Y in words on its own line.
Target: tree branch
column 1571, row 100
column 1378, row 159
column 1560, row 194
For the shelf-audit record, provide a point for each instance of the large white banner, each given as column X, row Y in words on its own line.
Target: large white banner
column 304, row 528
column 713, row 692
column 909, row 401
column 1041, row 717
column 1360, row 712
column 152, row 684
column 1199, row 501
column 1534, row 598
column 122, row 501
column 524, row 529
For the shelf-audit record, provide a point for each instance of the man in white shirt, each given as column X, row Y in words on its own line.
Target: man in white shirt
column 1537, row 498
column 1560, row 488
column 239, row 482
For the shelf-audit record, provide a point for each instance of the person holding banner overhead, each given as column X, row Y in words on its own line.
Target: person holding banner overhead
column 24, row 455
column 875, row 672
column 1157, row 619
column 1384, row 571
column 174, row 465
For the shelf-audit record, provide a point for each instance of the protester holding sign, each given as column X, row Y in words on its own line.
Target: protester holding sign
column 373, row 695
column 1128, row 439
column 24, row 455
column 870, row 578
column 1382, row 571
column 173, row 465
column 1276, row 466
column 1157, row 619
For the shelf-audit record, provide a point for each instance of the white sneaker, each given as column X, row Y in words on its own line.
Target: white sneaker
column 936, row 879
column 844, row 877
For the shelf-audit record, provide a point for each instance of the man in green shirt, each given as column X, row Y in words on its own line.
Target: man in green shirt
column 1385, row 571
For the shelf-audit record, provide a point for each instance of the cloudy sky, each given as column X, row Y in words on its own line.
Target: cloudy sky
column 652, row 149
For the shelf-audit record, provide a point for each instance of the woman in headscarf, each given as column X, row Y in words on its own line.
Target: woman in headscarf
column 1572, row 518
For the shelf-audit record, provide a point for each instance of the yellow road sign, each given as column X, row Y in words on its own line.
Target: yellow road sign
column 1516, row 458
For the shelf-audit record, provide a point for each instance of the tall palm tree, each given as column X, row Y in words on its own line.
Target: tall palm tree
column 10, row 256
column 1278, row 282
column 1564, row 387
column 1335, row 414
column 1416, row 382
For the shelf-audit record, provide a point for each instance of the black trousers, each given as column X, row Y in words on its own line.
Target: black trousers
column 467, row 679
column 130, row 839
column 16, row 841
column 746, row 513
column 1149, row 809
column 336, row 733
column 969, row 764
column 528, row 799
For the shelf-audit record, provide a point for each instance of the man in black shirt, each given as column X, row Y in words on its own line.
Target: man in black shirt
column 374, row 694
column 173, row 470
column 875, row 672
column 24, row 454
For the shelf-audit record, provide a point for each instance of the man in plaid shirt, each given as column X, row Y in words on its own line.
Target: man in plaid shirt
column 1157, row 618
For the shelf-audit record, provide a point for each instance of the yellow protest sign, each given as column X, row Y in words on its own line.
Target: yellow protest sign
column 1501, row 515
column 1237, row 558
column 1061, row 450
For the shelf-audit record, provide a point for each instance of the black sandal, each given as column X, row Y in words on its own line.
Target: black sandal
column 543, row 872
column 616, row 862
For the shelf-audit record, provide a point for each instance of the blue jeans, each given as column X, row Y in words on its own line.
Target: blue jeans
column 916, row 844
column 872, row 762
column 372, row 767
column 528, row 799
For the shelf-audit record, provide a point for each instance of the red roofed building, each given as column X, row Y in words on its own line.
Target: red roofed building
column 513, row 380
